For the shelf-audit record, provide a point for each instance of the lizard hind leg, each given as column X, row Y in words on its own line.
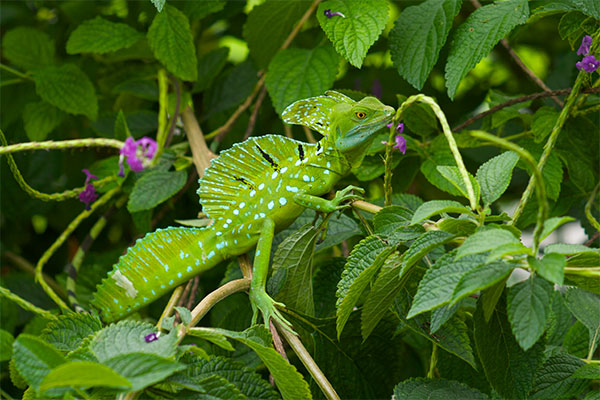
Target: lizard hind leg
column 259, row 298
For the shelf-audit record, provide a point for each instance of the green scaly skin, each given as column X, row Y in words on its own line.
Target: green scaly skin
column 250, row 192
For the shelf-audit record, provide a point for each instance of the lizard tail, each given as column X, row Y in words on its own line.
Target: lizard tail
column 156, row 264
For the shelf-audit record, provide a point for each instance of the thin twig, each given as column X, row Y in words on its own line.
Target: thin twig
column 309, row 136
column 201, row 155
column 176, row 113
column 193, row 292
column 533, row 96
column 26, row 266
column 254, row 115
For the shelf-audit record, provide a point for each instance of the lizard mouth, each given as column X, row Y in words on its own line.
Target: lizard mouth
column 360, row 134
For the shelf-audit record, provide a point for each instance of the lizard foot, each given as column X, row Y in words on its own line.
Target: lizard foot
column 262, row 302
column 346, row 195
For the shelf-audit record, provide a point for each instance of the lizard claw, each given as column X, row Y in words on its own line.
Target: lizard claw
column 262, row 302
column 346, row 195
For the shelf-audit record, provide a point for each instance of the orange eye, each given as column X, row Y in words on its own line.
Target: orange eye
column 361, row 115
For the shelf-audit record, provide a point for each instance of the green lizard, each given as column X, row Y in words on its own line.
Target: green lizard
column 250, row 191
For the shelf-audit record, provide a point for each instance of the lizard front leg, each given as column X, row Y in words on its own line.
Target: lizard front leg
column 259, row 298
column 339, row 202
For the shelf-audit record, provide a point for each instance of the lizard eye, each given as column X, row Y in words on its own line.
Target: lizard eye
column 361, row 115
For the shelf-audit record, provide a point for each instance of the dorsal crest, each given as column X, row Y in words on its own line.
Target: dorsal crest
column 314, row 112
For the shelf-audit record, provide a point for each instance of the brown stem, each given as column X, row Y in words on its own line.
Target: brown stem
column 254, row 115
column 533, row 96
column 193, row 292
column 309, row 136
column 200, row 152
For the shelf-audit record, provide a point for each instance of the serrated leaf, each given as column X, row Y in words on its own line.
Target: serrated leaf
column 209, row 66
column 441, row 315
column 216, row 387
column 68, row 88
column 34, row 359
column 292, row 269
column 28, row 48
column 588, row 7
column 457, row 226
column 423, row 245
column 587, row 371
column 212, row 336
column 452, row 174
column 476, row 37
column 363, row 263
column 485, row 240
column 495, row 174
column 551, row 224
column 39, row 119
column 544, row 120
column 554, row 380
column 418, row 36
column 439, row 282
column 155, row 187
column 435, row 389
column 143, row 369
column 391, row 218
column 507, row 249
column 296, row 74
column 585, row 306
column 170, row 38
column 569, row 249
column 429, row 169
column 128, row 337
column 435, row 207
column 67, row 332
column 6, row 344
column 267, row 27
column 570, row 25
column 184, row 314
column 552, row 267
column 509, row 369
column 357, row 30
column 101, row 36
column 481, row 277
column 83, row 374
column 289, row 382
column 528, row 306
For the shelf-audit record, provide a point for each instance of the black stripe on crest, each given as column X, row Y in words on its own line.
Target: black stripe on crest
column 301, row 152
column 268, row 158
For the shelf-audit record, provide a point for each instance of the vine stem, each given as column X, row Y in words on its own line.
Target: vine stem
column 15, row 72
column 451, row 143
column 26, row 266
column 588, row 209
column 24, row 304
column 163, row 104
column 536, row 178
column 61, row 239
column 433, row 362
column 365, row 206
column 63, row 144
column 549, row 146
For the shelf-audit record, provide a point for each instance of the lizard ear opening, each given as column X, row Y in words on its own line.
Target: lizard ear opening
column 314, row 112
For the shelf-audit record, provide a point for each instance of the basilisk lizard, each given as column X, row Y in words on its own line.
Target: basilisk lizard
column 250, row 191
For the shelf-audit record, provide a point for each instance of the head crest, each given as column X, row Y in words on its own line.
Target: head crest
column 314, row 112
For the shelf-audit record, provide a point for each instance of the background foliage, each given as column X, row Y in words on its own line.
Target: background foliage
column 445, row 292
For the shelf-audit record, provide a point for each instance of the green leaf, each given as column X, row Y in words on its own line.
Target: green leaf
column 101, row 36
column 552, row 267
column 155, row 187
column 481, row 277
column 391, row 218
column 495, row 174
column 485, row 240
column 296, row 74
column 363, row 263
column 552, row 172
column 212, row 336
column 6, row 344
column 439, row 282
column 83, row 374
column 353, row 34
column 435, row 207
column 588, row 7
column 293, row 272
column 34, row 359
column 28, row 48
column 67, row 332
column 551, row 224
column 216, row 387
column 452, row 174
column 528, row 306
column 39, row 119
column 171, row 40
column 231, row 88
column 478, row 35
column 289, row 381
column 439, row 157
column 587, row 371
column 441, row 315
column 507, row 249
column 577, row 339
column 509, row 369
column 143, row 369
column 68, row 88
column 209, row 66
column 423, row 245
column 184, row 314
column 127, row 337
column 200, row 9
column 544, row 120
column 159, row 4
column 435, row 389
column 555, row 379
column 569, row 249
column 418, row 36
column 585, row 306
column 457, row 226
column 267, row 27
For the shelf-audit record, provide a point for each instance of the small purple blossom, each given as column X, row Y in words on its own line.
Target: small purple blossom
column 330, row 14
column 588, row 64
column 399, row 127
column 584, row 49
column 88, row 195
column 138, row 154
column 151, row 337
column 400, row 144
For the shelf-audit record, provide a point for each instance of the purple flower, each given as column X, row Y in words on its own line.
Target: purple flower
column 399, row 127
column 584, row 49
column 138, row 154
column 151, row 337
column 330, row 14
column 88, row 195
column 400, row 144
column 588, row 64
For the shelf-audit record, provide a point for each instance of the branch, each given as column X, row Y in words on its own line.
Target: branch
column 201, row 155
